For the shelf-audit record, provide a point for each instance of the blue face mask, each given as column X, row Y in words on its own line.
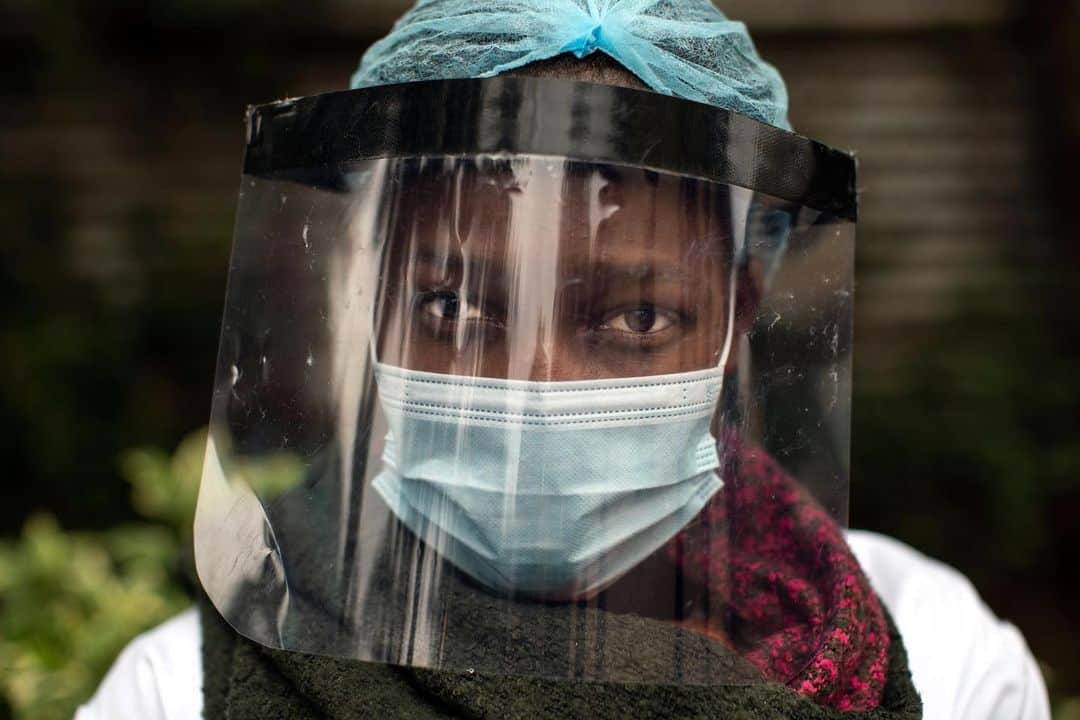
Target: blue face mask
column 551, row 490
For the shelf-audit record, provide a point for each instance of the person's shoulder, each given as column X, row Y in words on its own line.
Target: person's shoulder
column 965, row 662
column 158, row 676
column 903, row 576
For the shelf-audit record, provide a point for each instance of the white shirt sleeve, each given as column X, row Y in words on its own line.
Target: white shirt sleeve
column 158, row 676
column 965, row 662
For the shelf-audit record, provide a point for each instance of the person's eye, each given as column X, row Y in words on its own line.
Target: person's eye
column 448, row 306
column 642, row 320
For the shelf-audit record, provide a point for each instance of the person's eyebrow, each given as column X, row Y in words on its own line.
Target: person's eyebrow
column 607, row 270
column 454, row 268
column 430, row 256
column 612, row 272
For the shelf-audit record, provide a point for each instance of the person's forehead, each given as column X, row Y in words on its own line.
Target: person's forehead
column 588, row 210
column 633, row 263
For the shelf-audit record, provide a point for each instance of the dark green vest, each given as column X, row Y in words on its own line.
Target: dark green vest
column 245, row 681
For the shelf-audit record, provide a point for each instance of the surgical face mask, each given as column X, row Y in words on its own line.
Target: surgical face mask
column 550, row 490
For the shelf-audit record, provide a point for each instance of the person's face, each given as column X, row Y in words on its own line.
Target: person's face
column 549, row 272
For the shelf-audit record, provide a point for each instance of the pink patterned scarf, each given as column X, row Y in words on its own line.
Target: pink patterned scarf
column 810, row 618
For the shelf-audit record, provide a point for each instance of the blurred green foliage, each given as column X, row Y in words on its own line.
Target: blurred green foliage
column 985, row 429
column 1068, row 709
column 70, row 601
column 982, row 426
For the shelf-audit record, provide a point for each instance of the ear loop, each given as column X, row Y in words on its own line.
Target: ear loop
column 740, row 200
column 769, row 234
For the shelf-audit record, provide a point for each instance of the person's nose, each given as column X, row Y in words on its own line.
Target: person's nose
column 550, row 362
column 541, row 367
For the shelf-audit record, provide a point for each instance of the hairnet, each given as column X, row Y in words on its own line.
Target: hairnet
column 684, row 48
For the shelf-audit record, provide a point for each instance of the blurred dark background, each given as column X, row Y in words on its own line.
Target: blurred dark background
column 120, row 139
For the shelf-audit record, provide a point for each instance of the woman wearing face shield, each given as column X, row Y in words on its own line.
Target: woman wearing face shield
column 544, row 488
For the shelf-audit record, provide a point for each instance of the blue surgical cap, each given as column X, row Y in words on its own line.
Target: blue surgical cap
column 684, row 48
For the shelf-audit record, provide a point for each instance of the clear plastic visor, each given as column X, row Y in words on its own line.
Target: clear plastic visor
column 488, row 413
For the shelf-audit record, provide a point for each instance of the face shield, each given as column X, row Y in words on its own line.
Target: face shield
column 501, row 365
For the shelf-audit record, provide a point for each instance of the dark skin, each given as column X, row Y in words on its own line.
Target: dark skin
column 607, row 275
column 623, row 273
column 602, row 273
